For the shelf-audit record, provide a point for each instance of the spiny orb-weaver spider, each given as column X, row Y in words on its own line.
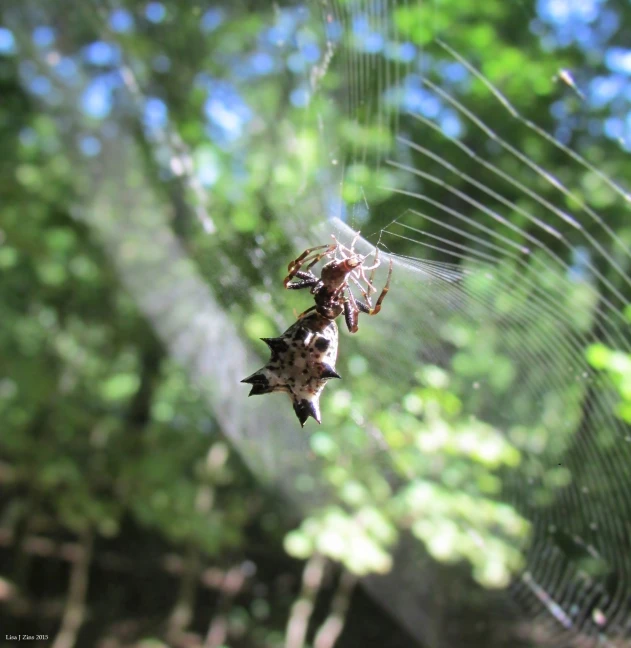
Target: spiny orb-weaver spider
column 303, row 360
column 332, row 291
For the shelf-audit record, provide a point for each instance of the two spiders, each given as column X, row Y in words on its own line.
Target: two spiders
column 303, row 357
column 332, row 290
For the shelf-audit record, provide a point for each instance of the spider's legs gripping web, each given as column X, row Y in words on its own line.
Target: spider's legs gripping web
column 369, row 280
column 363, row 290
column 294, row 266
column 352, row 248
column 345, row 252
column 307, row 280
column 373, row 267
column 365, row 308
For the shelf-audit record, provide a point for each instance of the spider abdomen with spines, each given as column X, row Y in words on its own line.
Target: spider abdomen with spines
column 303, row 360
column 303, row 357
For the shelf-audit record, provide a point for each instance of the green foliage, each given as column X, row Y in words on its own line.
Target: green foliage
column 616, row 365
column 447, row 471
column 101, row 431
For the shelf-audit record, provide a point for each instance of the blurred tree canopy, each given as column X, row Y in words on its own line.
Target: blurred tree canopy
column 131, row 515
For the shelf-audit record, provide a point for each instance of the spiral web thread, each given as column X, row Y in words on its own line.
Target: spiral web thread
column 576, row 586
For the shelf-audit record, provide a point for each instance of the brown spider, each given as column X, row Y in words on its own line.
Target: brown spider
column 332, row 291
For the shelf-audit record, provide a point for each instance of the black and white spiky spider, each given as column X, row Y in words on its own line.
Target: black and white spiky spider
column 302, row 362
column 332, row 290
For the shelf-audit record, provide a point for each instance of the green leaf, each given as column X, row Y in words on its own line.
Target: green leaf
column 120, row 387
column 598, row 356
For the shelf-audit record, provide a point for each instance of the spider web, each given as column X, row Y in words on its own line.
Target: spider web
column 499, row 275
column 487, row 283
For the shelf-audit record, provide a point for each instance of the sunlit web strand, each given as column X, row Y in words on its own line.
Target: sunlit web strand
column 472, row 181
column 540, row 304
column 615, row 311
column 533, row 314
column 327, row 17
column 552, row 180
column 450, row 272
column 461, row 291
column 577, row 591
column 577, row 601
column 522, row 355
column 354, row 67
column 461, row 233
column 473, row 223
column 549, row 601
column 456, row 214
column 602, row 410
column 498, row 218
column 592, row 268
column 548, row 229
column 574, row 582
column 466, row 198
column 499, row 172
column 465, row 255
column 545, row 135
column 436, row 272
column 383, row 82
column 450, row 298
column 517, row 258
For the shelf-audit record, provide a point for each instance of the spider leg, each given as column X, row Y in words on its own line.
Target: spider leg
column 301, row 274
column 363, row 290
column 364, row 308
column 339, row 248
column 346, row 251
column 294, row 266
column 376, row 262
column 352, row 248
column 309, row 280
column 305, row 312
column 318, row 257
column 360, row 271
column 304, row 283
column 302, row 258
column 361, row 274
column 369, row 281
column 351, row 313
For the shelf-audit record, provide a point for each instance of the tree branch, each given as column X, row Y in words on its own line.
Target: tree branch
column 332, row 627
column 302, row 609
column 74, row 612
